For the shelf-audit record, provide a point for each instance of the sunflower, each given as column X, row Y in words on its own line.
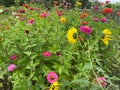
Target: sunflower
column 72, row 35
column 54, row 86
column 106, row 37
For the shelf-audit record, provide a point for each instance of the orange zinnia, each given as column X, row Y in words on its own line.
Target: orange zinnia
column 107, row 10
column 26, row 5
column 83, row 15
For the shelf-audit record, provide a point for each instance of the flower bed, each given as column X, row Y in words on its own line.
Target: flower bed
column 61, row 49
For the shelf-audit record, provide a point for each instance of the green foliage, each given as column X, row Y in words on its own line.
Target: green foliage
column 77, row 65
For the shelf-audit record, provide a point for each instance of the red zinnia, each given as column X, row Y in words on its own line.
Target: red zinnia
column 107, row 10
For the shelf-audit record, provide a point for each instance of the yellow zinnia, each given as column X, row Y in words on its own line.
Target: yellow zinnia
column 62, row 19
column 107, row 36
column 54, row 86
column 70, row 35
column 78, row 3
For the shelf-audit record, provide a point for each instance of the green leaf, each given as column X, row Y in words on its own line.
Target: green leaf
column 60, row 70
column 28, row 53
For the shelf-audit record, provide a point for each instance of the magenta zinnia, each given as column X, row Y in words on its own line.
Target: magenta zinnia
column 52, row 77
column 86, row 29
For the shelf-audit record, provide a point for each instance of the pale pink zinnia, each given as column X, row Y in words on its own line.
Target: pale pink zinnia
column 11, row 67
column 52, row 77
column 102, row 81
column 96, row 19
column 47, row 54
column 86, row 29
column 13, row 57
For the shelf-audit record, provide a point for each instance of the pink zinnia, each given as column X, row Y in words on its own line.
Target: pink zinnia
column 59, row 13
column 96, row 19
column 44, row 14
column 13, row 57
column 21, row 19
column 11, row 67
column 96, row 7
column 52, row 77
column 103, row 19
column 21, row 11
column 102, row 81
column 86, row 29
column 47, row 54
column 31, row 8
column 31, row 21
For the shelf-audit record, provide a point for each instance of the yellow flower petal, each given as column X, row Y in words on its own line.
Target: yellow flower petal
column 107, row 32
column 70, row 36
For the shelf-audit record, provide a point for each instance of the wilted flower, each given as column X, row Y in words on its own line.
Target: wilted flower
column 107, row 11
column 104, row 19
column 27, row 31
column 47, row 54
column 13, row 57
column 107, row 36
column 52, row 77
column 102, row 81
column 86, row 29
column 11, row 67
column 62, row 19
column 54, row 86
column 58, row 53
column 72, row 35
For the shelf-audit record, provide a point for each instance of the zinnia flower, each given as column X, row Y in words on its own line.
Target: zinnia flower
column 11, row 67
column 107, row 11
column 104, row 19
column 54, row 86
column 86, row 29
column 52, row 77
column 96, row 7
column 13, row 57
column 59, row 13
column 118, row 14
column 83, row 15
column 47, row 54
column 26, row 5
column 62, row 19
column 84, row 23
column 31, row 21
column 21, row 11
column 107, row 36
column 96, row 19
column 44, row 15
column 71, row 35
column 78, row 3
column 102, row 81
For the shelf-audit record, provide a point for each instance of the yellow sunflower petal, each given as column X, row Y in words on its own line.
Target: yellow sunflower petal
column 107, row 32
column 70, row 34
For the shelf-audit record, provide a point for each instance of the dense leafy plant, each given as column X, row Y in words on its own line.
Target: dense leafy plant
column 59, row 49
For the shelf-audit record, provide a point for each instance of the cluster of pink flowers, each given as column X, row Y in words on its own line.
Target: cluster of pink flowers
column 104, row 19
column 86, row 29
column 12, row 67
